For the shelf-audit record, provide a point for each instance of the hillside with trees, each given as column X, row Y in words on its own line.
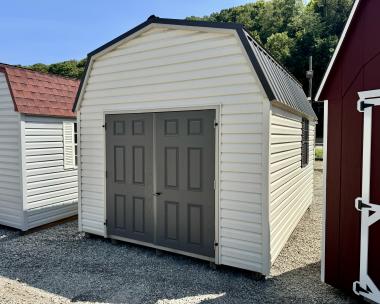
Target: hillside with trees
column 289, row 29
column 292, row 31
column 69, row 68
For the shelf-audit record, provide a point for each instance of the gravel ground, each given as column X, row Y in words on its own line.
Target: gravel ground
column 60, row 265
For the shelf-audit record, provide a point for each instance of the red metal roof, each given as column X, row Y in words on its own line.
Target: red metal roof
column 42, row 94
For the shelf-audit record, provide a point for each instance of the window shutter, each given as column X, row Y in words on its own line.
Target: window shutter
column 68, row 145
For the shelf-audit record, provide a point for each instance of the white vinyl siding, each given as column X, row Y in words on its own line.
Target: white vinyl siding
column 10, row 168
column 51, row 190
column 291, row 188
column 166, row 68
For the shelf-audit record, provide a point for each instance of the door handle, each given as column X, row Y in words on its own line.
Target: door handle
column 157, row 194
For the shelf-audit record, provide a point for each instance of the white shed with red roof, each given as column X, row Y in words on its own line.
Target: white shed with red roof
column 38, row 175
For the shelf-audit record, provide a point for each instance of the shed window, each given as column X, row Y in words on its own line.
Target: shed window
column 70, row 145
column 305, row 143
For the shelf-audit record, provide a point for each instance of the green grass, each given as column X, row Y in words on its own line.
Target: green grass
column 318, row 153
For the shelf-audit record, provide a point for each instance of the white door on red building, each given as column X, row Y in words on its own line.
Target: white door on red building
column 370, row 211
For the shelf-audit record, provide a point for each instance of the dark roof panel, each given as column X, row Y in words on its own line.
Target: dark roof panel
column 286, row 89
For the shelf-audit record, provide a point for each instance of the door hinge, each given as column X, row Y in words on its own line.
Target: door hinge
column 359, row 205
column 215, row 124
column 105, row 126
column 106, row 223
column 216, row 244
column 358, row 289
column 364, row 105
column 106, row 174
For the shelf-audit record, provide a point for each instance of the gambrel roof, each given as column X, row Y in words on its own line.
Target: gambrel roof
column 278, row 83
column 41, row 94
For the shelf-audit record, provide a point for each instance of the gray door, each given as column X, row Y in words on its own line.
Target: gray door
column 181, row 145
column 129, row 157
column 185, row 159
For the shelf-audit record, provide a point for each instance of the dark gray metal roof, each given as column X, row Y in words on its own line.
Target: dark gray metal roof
column 283, row 86
column 279, row 84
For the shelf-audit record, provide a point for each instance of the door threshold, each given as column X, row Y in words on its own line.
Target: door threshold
column 189, row 254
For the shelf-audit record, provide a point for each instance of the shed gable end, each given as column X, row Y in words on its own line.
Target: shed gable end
column 162, row 50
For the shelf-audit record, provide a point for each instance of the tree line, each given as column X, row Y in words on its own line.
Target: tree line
column 289, row 29
column 70, row 68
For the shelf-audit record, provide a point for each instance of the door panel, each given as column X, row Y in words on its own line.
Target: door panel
column 129, row 157
column 185, row 156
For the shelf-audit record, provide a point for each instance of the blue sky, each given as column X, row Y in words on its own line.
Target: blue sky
column 51, row 31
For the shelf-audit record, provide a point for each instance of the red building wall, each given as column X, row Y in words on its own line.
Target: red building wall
column 357, row 68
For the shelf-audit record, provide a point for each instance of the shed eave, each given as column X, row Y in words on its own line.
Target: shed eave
column 47, row 115
column 287, row 108
column 337, row 49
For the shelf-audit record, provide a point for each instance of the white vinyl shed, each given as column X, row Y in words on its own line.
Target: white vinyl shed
column 194, row 140
column 38, row 175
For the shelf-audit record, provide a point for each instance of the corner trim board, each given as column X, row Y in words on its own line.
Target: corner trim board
column 23, row 183
column 325, row 143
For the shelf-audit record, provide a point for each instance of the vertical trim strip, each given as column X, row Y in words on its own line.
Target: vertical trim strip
column 266, row 182
column 325, row 143
column 79, row 166
column 23, row 172
column 104, row 138
column 366, row 182
column 155, row 198
column 218, row 120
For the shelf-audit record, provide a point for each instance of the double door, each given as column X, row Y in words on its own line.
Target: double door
column 160, row 179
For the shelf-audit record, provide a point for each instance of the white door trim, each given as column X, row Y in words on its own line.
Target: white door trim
column 370, row 213
column 129, row 110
